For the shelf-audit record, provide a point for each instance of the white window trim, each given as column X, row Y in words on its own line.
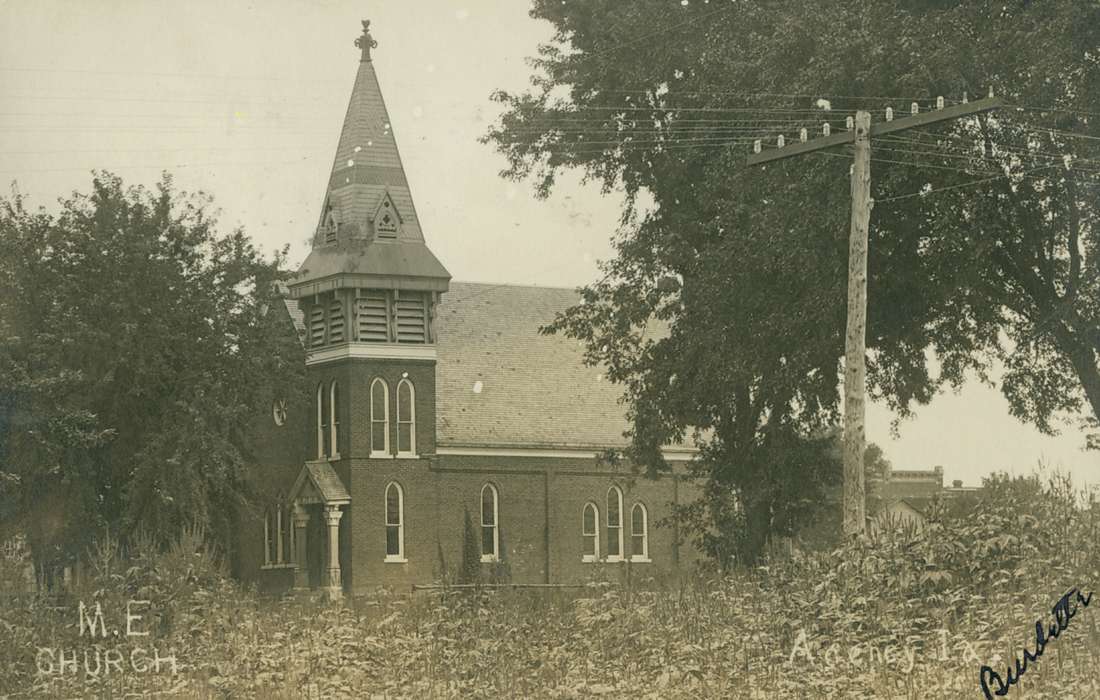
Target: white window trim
column 398, row 558
column 412, row 419
column 495, row 555
column 644, row 556
column 320, row 422
column 595, row 556
column 384, row 453
column 333, row 430
column 282, row 561
column 615, row 558
column 279, row 559
column 267, row 539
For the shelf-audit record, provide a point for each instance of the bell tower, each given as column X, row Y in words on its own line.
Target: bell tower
column 368, row 291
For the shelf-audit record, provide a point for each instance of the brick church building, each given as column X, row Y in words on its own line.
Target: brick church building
column 442, row 422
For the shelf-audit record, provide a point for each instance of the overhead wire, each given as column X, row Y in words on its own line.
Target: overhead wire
column 936, row 190
column 156, row 167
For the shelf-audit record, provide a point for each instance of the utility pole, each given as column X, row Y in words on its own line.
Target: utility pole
column 855, row 337
column 859, row 134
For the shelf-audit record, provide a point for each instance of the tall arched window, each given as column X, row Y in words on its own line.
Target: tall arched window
column 490, row 524
column 269, row 537
column 322, row 423
column 614, row 524
column 379, row 418
column 334, row 411
column 639, row 533
column 406, row 419
column 395, row 522
column 590, row 532
column 279, row 532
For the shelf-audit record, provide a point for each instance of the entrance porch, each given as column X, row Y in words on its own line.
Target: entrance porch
column 319, row 500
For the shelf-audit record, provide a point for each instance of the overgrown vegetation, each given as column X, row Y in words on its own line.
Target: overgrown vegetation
column 964, row 591
column 136, row 344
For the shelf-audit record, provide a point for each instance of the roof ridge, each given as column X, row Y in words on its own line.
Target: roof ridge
column 513, row 284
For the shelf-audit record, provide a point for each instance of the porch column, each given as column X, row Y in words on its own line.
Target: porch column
column 332, row 519
column 301, row 562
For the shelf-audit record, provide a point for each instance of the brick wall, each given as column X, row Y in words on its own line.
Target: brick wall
column 540, row 498
column 540, row 506
column 355, row 377
column 279, row 452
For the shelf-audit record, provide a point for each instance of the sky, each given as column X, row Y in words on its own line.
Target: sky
column 245, row 100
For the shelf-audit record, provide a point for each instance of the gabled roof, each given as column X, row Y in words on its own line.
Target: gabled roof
column 318, row 481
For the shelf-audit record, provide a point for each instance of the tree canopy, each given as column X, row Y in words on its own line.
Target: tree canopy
column 137, row 345
column 983, row 249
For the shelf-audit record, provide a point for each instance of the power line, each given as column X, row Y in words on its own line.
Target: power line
column 155, row 167
column 819, row 95
column 220, row 76
column 1060, row 158
column 936, row 190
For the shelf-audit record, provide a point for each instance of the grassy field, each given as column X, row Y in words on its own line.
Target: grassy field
column 905, row 615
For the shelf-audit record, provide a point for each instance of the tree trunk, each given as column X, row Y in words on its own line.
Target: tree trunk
column 757, row 525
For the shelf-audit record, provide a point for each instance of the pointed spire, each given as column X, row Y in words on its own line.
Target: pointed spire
column 367, row 198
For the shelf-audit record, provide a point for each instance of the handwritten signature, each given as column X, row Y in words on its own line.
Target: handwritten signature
column 1063, row 612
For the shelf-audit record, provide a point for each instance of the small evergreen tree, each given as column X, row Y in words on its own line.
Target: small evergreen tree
column 471, row 551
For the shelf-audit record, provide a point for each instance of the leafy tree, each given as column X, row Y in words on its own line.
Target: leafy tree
column 136, row 345
column 749, row 282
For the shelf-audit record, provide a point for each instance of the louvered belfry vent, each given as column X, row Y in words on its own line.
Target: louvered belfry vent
column 316, row 326
column 373, row 326
column 336, row 322
column 411, row 318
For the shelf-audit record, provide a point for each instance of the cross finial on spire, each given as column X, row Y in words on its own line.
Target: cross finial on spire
column 366, row 42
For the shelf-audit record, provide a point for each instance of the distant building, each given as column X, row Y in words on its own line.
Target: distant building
column 906, row 495
column 437, row 404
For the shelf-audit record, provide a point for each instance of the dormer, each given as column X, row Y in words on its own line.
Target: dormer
column 386, row 219
column 330, row 226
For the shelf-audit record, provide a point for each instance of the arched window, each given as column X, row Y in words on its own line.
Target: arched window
column 322, row 423
column 288, row 536
column 395, row 522
column 277, row 535
column 614, row 524
column 639, row 533
column 590, row 532
column 490, row 524
column 379, row 418
column 406, row 419
column 280, row 524
column 334, row 411
column 269, row 537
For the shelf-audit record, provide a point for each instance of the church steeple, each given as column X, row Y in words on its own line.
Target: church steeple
column 368, row 239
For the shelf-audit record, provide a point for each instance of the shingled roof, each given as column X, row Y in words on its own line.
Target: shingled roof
column 500, row 383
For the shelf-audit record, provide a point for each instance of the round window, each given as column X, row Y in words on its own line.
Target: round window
column 278, row 411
